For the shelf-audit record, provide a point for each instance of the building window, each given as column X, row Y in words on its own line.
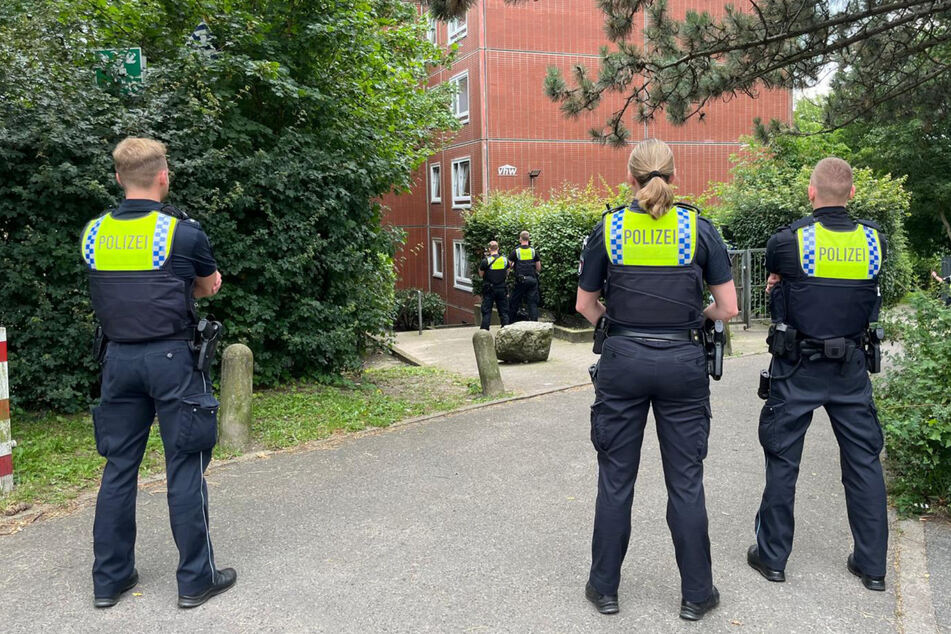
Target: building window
column 461, row 184
column 460, row 260
column 460, row 99
column 431, row 29
column 435, row 184
column 458, row 27
column 437, row 257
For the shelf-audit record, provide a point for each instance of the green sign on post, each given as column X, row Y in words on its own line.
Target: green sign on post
column 124, row 66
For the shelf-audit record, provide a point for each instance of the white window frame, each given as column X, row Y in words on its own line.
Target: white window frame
column 461, row 202
column 457, row 79
column 431, row 33
column 462, row 282
column 458, row 28
column 435, row 197
column 438, row 255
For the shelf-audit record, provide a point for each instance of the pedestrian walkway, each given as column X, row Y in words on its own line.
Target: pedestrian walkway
column 451, row 349
column 473, row 522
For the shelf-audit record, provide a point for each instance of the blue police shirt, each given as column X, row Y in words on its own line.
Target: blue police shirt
column 711, row 257
column 191, row 251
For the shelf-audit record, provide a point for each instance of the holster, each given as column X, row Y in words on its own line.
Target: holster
column 99, row 343
column 873, row 349
column 782, row 341
column 600, row 334
column 714, row 341
column 205, row 344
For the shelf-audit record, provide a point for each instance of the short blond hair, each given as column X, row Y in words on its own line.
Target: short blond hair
column 523, row 236
column 138, row 161
column 832, row 179
column 652, row 164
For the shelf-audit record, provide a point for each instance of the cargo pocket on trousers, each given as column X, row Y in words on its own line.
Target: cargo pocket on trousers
column 97, row 430
column 705, row 440
column 596, row 439
column 198, row 430
column 878, row 425
column 767, row 425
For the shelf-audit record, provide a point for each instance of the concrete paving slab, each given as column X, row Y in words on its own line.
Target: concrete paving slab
column 475, row 522
column 938, row 539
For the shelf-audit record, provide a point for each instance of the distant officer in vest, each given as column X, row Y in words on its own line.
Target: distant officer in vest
column 823, row 285
column 650, row 261
column 527, row 265
column 493, row 269
column 946, row 281
column 147, row 263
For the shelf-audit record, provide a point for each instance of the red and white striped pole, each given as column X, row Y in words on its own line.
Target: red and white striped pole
column 6, row 440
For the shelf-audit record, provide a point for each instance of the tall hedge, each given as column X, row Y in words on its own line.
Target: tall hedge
column 558, row 226
column 279, row 142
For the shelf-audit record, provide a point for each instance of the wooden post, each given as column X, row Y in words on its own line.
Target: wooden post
column 484, row 344
column 237, row 373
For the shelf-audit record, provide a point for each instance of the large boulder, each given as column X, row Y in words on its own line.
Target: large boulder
column 524, row 341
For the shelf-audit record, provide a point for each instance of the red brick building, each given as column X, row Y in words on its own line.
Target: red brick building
column 511, row 130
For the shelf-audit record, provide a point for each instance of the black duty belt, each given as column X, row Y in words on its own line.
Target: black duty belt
column 678, row 335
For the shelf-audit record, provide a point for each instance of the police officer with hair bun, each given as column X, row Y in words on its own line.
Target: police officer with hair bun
column 147, row 262
column 824, row 303
column 649, row 261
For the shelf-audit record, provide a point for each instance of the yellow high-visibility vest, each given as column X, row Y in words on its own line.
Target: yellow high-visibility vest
column 637, row 239
column 840, row 255
column 134, row 244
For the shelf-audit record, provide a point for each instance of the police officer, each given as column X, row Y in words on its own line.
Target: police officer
column 147, row 262
column 493, row 270
column 823, row 285
column 947, row 282
column 650, row 261
column 524, row 259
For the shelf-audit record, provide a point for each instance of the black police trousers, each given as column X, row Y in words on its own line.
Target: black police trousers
column 138, row 381
column 525, row 289
column 846, row 393
column 633, row 376
column 494, row 294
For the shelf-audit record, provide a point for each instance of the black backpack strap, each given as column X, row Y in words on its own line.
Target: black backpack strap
column 174, row 212
column 796, row 225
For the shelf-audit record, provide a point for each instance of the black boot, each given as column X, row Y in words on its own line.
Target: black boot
column 224, row 579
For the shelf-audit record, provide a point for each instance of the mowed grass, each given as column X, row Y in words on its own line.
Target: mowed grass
column 55, row 459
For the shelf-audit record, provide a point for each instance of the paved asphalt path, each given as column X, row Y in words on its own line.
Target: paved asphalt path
column 476, row 522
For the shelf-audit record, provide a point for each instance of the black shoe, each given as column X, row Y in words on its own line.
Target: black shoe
column 224, row 579
column 752, row 558
column 108, row 602
column 690, row 611
column 606, row 603
column 872, row 583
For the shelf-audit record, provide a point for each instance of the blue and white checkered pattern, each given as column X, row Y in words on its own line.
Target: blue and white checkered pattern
column 616, row 241
column 874, row 254
column 809, row 250
column 684, row 246
column 89, row 247
column 160, row 240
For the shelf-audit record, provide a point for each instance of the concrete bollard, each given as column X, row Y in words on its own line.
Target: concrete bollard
column 6, row 440
column 484, row 344
column 237, row 372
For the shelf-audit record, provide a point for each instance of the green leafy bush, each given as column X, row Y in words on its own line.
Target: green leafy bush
column 279, row 144
column 914, row 404
column 407, row 309
column 558, row 227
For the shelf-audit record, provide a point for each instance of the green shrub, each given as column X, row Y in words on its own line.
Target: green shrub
column 407, row 309
column 279, row 144
column 558, row 227
column 914, row 404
